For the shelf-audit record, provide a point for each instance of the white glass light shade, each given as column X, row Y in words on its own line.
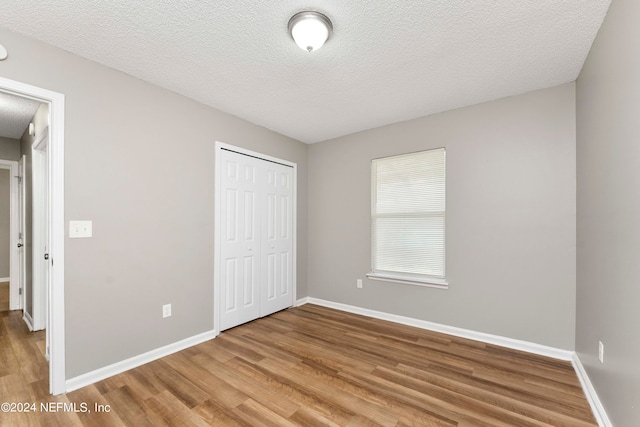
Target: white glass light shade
column 310, row 30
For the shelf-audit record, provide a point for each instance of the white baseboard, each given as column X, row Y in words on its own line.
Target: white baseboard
column 592, row 397
column 133, row 362
column 5, row 279
column 28, row 320
column 301, row 301
column 515, row 344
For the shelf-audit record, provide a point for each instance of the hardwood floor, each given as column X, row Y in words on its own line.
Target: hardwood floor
column 4, row 296
column 308, row 366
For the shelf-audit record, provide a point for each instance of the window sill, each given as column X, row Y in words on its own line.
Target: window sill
column 427, row 282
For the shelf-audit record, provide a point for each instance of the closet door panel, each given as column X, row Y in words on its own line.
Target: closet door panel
column 277, row 241
column 240, row 243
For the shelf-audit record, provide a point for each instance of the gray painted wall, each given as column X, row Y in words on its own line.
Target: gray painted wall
column 139, row 162
column 9, row 149
column 5, row 222
column 510, row 218
column 608, row 149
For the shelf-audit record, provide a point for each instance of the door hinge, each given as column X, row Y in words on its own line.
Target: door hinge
column 19, row 178
column 20, row 291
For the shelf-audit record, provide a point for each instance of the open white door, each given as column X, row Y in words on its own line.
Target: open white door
column 40, row 237
column 22, row 237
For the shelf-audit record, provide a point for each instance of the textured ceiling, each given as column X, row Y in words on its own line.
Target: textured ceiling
column 15, row 114
column 387, row 61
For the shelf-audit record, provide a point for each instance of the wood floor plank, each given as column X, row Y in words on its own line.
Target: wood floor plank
column 435, row 401
column 104, row 418
column 296, row 391
column 256, row 414
column 481, row 389
column 269, row 393
column 487, row 402
column 166, row 409
column 215, row 388
column 329, row 387
column 307, row 366
column 178, row 385
column 219, row 415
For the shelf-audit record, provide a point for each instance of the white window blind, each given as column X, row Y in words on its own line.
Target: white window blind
column 408, row 217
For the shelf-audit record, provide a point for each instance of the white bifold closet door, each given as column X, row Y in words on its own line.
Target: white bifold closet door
column 257, row 238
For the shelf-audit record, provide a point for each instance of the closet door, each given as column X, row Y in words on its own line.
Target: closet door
column 256, row 243
column 240, row 239
column 277, row 240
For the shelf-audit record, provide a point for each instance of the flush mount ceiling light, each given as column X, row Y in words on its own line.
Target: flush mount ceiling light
column 310, row 30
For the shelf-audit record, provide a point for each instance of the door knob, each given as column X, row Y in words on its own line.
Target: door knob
column 20, row 245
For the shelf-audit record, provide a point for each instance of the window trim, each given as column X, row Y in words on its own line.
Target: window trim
column 429, row 282
column 439, row 282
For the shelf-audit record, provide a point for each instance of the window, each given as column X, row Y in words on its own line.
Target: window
column 408, row 218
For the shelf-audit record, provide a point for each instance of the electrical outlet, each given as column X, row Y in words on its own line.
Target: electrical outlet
column 166, row 310
column 600, row 351
column 359, row 283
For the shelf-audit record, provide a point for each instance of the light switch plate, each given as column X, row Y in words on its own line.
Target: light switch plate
column 80, row 229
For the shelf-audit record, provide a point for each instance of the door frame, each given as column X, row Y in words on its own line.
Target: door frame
column 14, row 252
column 217, row 279
column 56, row 327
